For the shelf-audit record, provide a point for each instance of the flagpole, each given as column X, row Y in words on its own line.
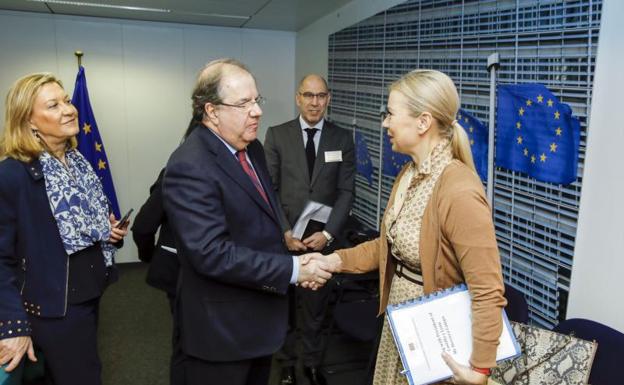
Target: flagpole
column 493, row 63
column 79, row 57
column 382, row 108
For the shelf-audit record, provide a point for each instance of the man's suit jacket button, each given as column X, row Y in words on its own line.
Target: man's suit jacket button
column 310, row 190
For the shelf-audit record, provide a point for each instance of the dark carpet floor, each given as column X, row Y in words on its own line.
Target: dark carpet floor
column 134, row 331
column 135, row 338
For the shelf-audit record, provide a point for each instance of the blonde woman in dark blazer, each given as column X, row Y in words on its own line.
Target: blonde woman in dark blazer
column 57, row 236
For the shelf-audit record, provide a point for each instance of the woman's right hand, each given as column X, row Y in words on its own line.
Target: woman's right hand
column 13, row 349
column 333, row 260
column 462, row 374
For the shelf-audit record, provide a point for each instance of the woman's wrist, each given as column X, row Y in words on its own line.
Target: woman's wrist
column 484, row 371
column 336, row 262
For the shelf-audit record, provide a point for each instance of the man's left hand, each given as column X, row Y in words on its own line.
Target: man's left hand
column 316, row 241
column 117, row 233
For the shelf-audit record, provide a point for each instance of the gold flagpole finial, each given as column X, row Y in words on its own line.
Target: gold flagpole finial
column 79, row 57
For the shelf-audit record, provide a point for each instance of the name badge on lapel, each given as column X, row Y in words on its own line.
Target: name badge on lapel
column 333, row 156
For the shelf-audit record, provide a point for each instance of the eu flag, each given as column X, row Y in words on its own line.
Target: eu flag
column 89, row 141
column 536, row 134
column 478, row 136
column 364, row 165
column 392, row 161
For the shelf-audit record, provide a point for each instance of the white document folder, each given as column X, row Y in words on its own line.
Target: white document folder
column 312, row 211
column 425, row 327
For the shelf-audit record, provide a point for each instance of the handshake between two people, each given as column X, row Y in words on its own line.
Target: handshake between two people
column 315, row 269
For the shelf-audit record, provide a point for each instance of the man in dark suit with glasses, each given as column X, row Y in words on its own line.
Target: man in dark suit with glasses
column 310, row 159
column 231, row 305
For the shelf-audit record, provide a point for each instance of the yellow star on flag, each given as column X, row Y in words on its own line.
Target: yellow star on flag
column 529, row 102
column 550, row 103
column 519, row 140
column 471, row 129
column 86, row 128
column 543, row 157
column 98, row 147
column 540, row 98
column 553, row 147
column 518, row 125
column 472, row 142
column 533, row 158
column 101, row 165
column 526, row 152
column 521, row 111
column 558, row 131
column 557, row 114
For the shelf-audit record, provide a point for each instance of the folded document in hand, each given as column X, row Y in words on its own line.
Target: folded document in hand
column 315, row 212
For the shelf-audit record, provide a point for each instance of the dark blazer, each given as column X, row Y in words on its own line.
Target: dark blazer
column 164, row 266
column 332, row 183
column 33, row 262
column 235, row 271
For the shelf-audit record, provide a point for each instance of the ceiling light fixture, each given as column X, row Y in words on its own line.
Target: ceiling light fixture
column 141, row 9
column 221, row 15
column 100, row 5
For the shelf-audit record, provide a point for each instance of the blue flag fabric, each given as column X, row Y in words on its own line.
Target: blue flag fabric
column 536, row 134
column 392, row 161
column 478, row 136
column 364, row 165
column 89, row 141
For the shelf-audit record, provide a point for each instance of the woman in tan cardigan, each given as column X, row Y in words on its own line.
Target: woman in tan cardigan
column 437, row 230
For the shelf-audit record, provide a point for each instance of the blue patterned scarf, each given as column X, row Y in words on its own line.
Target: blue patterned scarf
column 78, row 203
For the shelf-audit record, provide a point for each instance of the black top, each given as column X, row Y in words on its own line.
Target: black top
column 88, row 275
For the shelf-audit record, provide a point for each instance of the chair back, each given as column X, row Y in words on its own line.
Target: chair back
column 517, row 308
column 357, row 304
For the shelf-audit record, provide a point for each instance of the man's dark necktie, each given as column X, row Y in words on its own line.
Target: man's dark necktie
column 310, row 150
column 242, row 159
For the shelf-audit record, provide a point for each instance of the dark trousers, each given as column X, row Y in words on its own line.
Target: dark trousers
column 69, row 345
column 194, row 371
column 171, row 298
column 176, row 362
column 308, row 324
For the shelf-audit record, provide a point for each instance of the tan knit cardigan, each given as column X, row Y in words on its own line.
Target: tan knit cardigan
column 457, row 245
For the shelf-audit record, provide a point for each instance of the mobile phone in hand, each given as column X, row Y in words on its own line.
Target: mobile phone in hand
column 124, row 220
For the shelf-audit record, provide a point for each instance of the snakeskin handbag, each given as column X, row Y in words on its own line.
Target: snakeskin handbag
column 547, row 358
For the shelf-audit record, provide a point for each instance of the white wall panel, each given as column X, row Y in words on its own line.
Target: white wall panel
column 269, row 71
column 27, row 44
column 596, row 292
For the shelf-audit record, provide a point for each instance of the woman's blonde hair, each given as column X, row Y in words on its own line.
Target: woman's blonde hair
column 434, row 92
column 17, row 140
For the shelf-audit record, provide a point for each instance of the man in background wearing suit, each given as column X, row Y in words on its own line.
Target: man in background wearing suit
column 161, row 255
column 231, row 305
column 310, row 159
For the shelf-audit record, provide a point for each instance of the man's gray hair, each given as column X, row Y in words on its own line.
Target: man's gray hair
column 208, row 85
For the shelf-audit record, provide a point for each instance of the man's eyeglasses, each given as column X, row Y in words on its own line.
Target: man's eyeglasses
column 309, row 96
column 246, row 106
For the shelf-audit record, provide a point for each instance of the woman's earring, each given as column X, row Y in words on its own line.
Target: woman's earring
column 35, row 132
